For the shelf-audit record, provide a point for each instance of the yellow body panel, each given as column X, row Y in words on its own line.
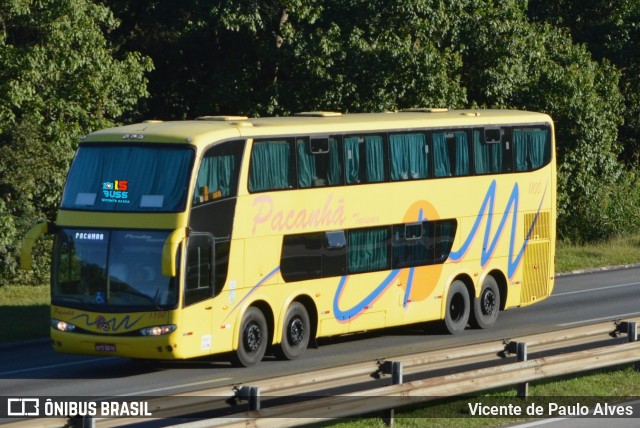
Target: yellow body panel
column 494, row 214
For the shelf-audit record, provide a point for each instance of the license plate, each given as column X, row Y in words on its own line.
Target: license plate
column 105, row 347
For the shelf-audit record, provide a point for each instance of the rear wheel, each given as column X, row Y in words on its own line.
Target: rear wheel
column 487, row 306
column 295, row 332
column 458, row 308
column 253, row 340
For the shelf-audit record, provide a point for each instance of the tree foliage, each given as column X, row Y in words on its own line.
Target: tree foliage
column 69, row 66
column 59, row 79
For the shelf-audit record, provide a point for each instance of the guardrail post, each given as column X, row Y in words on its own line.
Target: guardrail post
column 521, row 355
column 254, row 398
column 632, row 336
column 395, row 369
column 82, row 422
column 632, row 331
column 252, row 395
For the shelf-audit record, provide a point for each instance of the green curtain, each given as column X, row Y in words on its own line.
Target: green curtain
column 488, row 157
column 368, row 250
column 334, row 174
column 374, row 151
column 531, row 148
column 408, row 156
column 218, row 173
column 306, row 164
column 520, row 149
column 373, row 169
column 462, row 154
column 442, row 165
column 352, row 159
column 269, row 166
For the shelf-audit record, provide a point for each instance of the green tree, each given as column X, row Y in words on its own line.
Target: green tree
column 511, row 62
column 59, row 79
column 266, row 57
column 610, row 29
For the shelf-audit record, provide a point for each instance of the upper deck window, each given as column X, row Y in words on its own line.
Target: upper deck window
column 129, row 178
column 531, row 148
column 409, row 156
column 218, row 173
column 272, row 166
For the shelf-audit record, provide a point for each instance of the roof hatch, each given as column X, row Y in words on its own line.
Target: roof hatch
column 318, row 114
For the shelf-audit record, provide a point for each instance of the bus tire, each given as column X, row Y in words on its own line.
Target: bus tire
column 296, row 330
column 458, row 308
column 487, row 306
column 254, row 338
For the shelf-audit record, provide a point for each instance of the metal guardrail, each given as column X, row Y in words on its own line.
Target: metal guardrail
column 369, row 399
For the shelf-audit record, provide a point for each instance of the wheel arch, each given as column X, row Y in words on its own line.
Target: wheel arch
column 501, row 280
column 266, row 310
column 468, row 284
column 312, row 310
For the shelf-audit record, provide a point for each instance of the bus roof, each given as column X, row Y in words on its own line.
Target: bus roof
column 211, row 128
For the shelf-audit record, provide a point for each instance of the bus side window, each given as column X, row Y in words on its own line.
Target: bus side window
column 200, row 274
column 364, row 159
column 272, row 166
column 334, row 254
column 368, row 250
column 451, row 154
column 301, row 257
column 445, row 234
column 531, row 148
column 218, row 173
column 319, row 162
column 488, row 150
column 409, row 156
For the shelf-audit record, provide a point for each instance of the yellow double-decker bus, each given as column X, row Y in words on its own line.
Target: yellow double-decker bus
column 234, row 235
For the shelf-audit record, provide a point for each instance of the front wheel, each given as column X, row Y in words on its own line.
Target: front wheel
column 458, row 308
column 487, row 305
column 254, row 338
column 295, row 332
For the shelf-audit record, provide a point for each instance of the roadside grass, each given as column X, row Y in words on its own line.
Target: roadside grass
column 24, row 313
column 617, row 252
column 611, row 386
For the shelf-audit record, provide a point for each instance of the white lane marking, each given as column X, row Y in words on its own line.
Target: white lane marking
column 184, row 385
column 631, row 284
column 610, row 317
column 54, row 366
column 540, row 422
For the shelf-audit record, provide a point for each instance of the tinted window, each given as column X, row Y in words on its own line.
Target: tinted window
column 364, row 159
column 319, row 162
column 218, row 173
column 272, row 166
column 129, row 178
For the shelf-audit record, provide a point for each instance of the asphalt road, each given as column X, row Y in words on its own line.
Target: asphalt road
column 577, row 299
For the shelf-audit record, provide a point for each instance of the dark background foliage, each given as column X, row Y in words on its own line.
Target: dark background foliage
column 68, row 67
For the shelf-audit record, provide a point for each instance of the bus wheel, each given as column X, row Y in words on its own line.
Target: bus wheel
column 487, row 306
column 458, row 308
column 254, row 337
column 295, row 333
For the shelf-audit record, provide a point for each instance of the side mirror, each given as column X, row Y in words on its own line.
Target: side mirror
column 26, row 251
column 170, row 252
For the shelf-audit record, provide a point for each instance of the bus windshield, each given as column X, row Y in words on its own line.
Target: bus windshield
column 131, row 178
column 105, row 270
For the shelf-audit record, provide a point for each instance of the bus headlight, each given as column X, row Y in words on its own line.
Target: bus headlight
column 158, row 330
column 62, row 325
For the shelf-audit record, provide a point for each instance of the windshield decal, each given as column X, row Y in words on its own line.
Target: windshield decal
column 116, row 191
